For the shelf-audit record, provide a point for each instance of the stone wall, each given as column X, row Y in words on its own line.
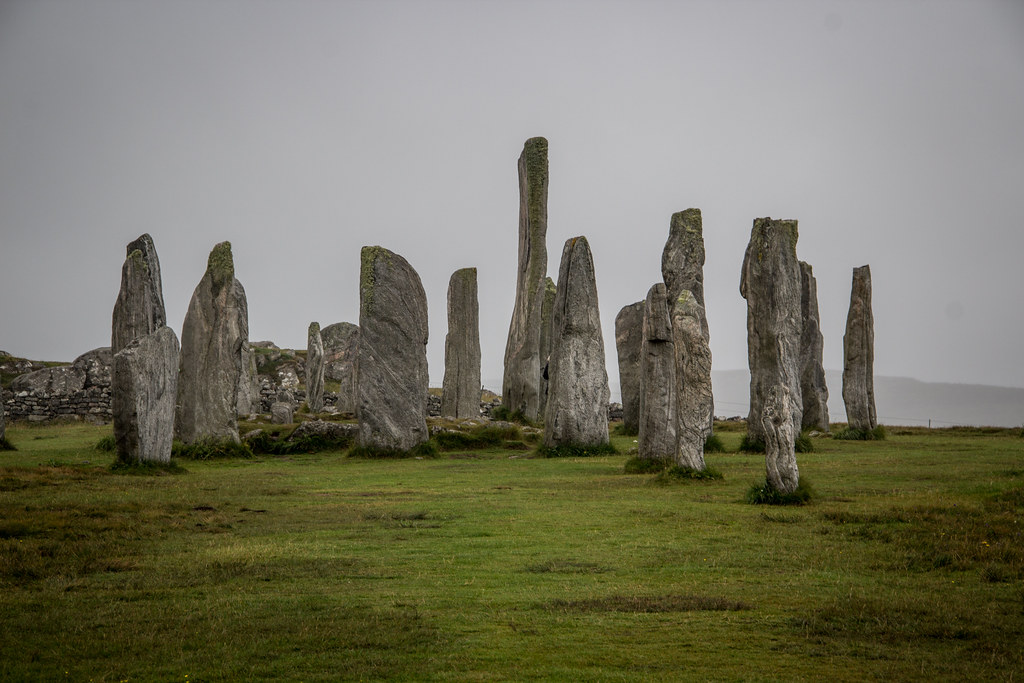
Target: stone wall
column 91, row 403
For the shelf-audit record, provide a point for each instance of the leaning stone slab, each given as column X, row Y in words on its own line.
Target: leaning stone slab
column 143, row 393
column 694, row 398
column 460, row 392
column 577, row 409
column 391, row 371
column 859, row 354
column 812, row 373
column 139, row 309
column 314, row 368
column 523, row 363
column 657, row 436
column 629, row 327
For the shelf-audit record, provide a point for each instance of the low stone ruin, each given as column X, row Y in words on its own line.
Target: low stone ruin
column 81, row 389
column 859, row 354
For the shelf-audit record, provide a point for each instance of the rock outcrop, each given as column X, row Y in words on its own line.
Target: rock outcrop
column 523, row 364
column 859, row 354
column 813, row 390
column 139, row 309
column 629, row 328
column 341, row 347
column 694, row 402
column 145, row 382
column 657, row 436
column 577, row 409
column 460, row 392
column 391, row 370
column 314, row 368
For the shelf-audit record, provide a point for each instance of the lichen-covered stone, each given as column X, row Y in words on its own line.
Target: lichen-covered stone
column 859, row 354
column 545, row 340
column 523, row 363
column 314, row 368
column 657, row 436
column 682, row 260
column 629, row 328
column 779, row 426
column 391, row 370
column 460, row 392
column 694, row 397
column 813, row 390
column 139, row 309
column 145, row 382
column 770, row 282
column 341, row 347
column 214, row 360
column 577, row 409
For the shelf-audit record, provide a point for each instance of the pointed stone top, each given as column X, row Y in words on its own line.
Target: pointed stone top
column 143, row 243
column 314, row 327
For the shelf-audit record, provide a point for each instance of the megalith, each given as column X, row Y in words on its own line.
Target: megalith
column 139, row 308
column 391, row 367
column 770, row 282
column 657, row 435
column 813, row 390
column 314, row 368
column 460, row 392
column 215, row 354
column 694, row 403
column 341, row 346
column 3, row 423
column 143, row 392
column 523, row 363
column 859, row 355
column 577, row 409
column 545, row 340
column 780, row 429
column 629, row 324
column 682, row 260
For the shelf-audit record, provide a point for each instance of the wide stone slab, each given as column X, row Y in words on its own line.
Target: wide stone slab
column 144, row 390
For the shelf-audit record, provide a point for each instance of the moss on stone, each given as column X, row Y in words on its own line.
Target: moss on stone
column 535, row 172
column 369, row 256
column 139, row 261
column 221, row 266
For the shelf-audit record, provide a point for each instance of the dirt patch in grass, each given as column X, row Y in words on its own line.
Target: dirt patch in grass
column 650, row 604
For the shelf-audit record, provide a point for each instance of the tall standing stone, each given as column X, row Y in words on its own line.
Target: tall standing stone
column 341, row 347
column 391, row 369
column 682, row 260
column 770, row 282
column 577, row 410
column 657, row 436
column 859, row 353
column 523, row 364
column 694, row 403
column 143, row 392
column 314, row 368
column 248, row 400
column 813, row 390
column 629, row 328
column 139, row 309
column 214, row 340
column 460, row 393
column 780, row 429
column 545, row 340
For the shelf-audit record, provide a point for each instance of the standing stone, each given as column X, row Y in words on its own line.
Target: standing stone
column 3, row 424
column 460, row 393
column 682, row 260
column 139, row 309
column 248, row 399
column 859, row 353
column 341, row 347
column 545, row 340
column 657, row 437
column 391, row 370
column 314, row 369
column 694, row 403
column 779, row 428
column 281, row 413
column 145, row 383
column 770, row 282
column 812, row 373
column 214, row 339
column 629, row 327
column 523, row 363
column 577, row 410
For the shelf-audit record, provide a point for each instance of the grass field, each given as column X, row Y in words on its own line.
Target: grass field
column 908, row 564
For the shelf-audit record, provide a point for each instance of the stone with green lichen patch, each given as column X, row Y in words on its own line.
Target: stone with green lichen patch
column 221, row 265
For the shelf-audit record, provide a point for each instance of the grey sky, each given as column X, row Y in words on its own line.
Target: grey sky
column 303, row 130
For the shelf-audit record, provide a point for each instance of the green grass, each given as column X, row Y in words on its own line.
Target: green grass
column 907, row 564
column 851, row 434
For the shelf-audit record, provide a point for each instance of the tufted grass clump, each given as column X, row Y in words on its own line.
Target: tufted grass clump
column 802, row 444
column 681, row 473
column 6, row 445
column 427, row 449
column 266, row 443
column 575, row 450
column 211, row 449
column 851, row 434
column 622, row 430
column 478, row 438
column 106, row 444
column 503, row 414
column 765, row 494
column 639, row 465
column 713, row 444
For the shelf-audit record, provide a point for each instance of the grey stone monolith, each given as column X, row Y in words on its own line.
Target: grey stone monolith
column 657, row 435
column 694, row 402
column 282, row 413
column 391, row 369
column 770, row 282
column 3, row 423
column 629, row 328
column 139, row 308
column 248, row 399
column 314, row 368
column 577, row 410
column 341, row 347
column 460, row 392
column 682, row 260
column 143, row 392
column 780, row 427
column 214, row 354
column 813, row 390
column 859, row 354
column 523, row 364
column 545, row 340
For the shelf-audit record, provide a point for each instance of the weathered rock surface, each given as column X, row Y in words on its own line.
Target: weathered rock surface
column 91, row 369
column 391, row 371
column 281, row 413
column 314, row 368
column 145, row 376
column 214, row 354
column 523, row 363
column 3, row 421
column 335, row 431
column 629, row 328
column 657, row 435
column 341, row 347
column 248, row 401
column 859, row 354
column 682, row 260
column 813, row 390
column 577, row 409
column 460, row 392
column 770, row 282
column 139, row 309
column 779, row 426
column 545, row 340
column 694, row 398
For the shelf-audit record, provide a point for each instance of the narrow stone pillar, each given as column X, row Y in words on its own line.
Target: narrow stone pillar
column 859, row 354
column 694, row 403
column 657, row 434
column 812, row 374
column 460, row 393
column 629, row 328
column 545, row 340
column 314, row 368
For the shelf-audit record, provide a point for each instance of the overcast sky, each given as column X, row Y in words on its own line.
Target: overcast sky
column 303, row 130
